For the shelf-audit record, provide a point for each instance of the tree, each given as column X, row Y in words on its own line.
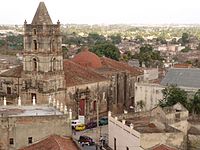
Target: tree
column 172, row 95
column 147, row 56
column 140, row 105
column 116, row 39
column 186, row 49
column 195, row 103
column 184, row 39
column 106, row 49
column 94, row 38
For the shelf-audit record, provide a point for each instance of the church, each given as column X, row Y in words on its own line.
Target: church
column 84, row 84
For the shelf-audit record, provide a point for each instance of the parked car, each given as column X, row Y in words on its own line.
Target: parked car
column 80, row 127
column 91, row 124
column 86, row 140
column 103, row 121
column 74, row 123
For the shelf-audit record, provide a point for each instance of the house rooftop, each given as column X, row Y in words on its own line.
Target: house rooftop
column 143, row 124
column 185, row 77
column 42, row 110
column 76, row 74
column 53, row 142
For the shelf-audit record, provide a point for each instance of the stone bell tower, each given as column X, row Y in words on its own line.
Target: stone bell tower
column 42, row 58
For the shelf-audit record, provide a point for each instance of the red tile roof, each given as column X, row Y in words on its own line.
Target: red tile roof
column 120, row 66
column 87, row 59
column 77, row 75
column 14, row 72
column 53, row 142
column 163, row 147
column 182, row 65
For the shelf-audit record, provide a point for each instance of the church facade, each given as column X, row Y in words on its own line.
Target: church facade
column 44, row 73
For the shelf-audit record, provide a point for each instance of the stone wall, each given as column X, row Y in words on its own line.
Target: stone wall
column 37, row 127
column 124, row 136
column 175, row 139
column 150, row 94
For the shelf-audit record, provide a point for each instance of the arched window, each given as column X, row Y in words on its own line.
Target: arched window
column 34, row 31
column 35, row 44
column 53, row 45
column 53, row 64
column 34, row 64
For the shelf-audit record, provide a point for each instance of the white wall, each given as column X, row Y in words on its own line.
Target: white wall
column 150, row 94
column 125, row 136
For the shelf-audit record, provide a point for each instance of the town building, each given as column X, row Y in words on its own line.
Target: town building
column 140, row 132
column 24, row 125
column 151, row 93
column 53, row 142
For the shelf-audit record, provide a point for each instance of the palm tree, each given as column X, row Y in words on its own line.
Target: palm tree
column 140, row 105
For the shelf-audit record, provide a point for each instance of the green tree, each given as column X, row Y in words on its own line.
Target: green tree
column 94, row 38
column 116, row 39
column 195, row 103
column 2, row 42
column 186, row 49
column 148, row 56
column 171, row 95
column 106, row 49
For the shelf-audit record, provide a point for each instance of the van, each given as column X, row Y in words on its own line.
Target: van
column 74, row 123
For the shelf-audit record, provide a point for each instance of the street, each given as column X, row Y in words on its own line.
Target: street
column 95, row 134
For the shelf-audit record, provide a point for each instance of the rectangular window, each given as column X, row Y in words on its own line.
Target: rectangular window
column 115, row 146
column 8, row 90
column 11, row 141
column 30, row 140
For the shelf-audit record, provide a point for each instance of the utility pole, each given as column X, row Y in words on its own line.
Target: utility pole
column 97, row 107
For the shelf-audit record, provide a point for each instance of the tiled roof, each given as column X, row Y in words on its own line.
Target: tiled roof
column 53, row 142
column 87, row 59
column 14, row 72
column 77, row 75
column 182, row 65
column 186, row 77
column 163, row 147
column 42, row 16
column 194, row 131
column 120, row 66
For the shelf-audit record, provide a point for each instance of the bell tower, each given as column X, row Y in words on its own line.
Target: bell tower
column 42, row 56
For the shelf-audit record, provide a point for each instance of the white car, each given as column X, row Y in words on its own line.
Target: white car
column 74, row 123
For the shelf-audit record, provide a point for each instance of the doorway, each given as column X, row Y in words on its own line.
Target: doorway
column 33, row 95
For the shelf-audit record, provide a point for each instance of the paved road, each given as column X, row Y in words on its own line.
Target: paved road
column 94, row 133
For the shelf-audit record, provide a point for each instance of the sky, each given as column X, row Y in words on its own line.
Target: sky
column 104, row 11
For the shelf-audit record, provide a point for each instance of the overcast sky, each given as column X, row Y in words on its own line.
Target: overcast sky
column 104, row 11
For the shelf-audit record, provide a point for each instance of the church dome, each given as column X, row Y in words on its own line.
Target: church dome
column 87, row 59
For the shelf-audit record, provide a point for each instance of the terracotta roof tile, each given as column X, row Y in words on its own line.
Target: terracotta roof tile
column 163, row 147
column 53, row 142
column 120, row 66
column 182, row 65
column 14, row 72
column 87, row 59
column 76, row 74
